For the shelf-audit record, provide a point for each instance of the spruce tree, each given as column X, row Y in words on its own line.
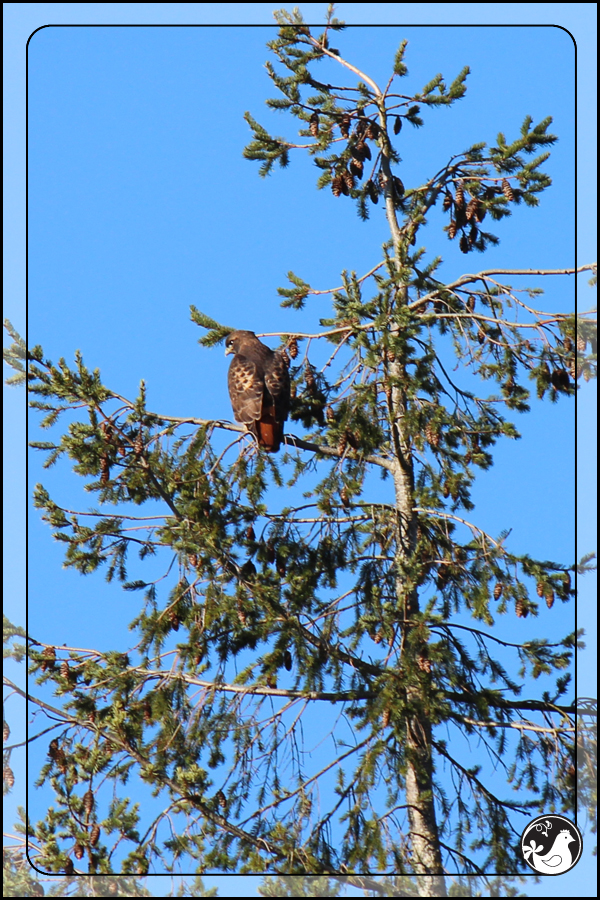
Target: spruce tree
column 373, row 616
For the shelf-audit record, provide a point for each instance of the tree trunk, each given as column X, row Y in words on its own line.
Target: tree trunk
column 426, row 853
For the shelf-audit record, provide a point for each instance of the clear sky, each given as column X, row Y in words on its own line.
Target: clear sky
column 140, row 204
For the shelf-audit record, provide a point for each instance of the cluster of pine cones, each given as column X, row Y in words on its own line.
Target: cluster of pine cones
column 345, row 176
column 468, row 214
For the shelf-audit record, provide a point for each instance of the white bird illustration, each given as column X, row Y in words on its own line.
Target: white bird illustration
column 557, row 860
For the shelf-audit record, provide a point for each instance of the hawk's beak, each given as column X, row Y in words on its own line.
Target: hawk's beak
column 229, row 351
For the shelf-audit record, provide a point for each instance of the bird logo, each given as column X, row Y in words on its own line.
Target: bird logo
column 549, row 847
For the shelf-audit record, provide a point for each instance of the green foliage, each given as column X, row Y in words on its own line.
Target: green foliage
column 15, row 355
column 300, row 886
column 216, row 332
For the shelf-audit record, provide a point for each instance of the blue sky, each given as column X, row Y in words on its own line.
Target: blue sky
column 140, row 204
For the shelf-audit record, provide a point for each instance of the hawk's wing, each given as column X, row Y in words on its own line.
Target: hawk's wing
column 246, row 389
column 277, row 380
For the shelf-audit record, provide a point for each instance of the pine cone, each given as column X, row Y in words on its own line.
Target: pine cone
column 329, row 414
column 68, row 867
column 373, row 191
column 193, row 558
column 64, row 669
column 549, row 597
column 345, row 498
column 5, row 732
column 448, row 201
column 452, row 229
column 49, row 655
column 507, row 190
column 8, row 776
column 345, row 125
column 567, row 582
column 292, row 346
column 423, row 663
column 472, row 208
column 138, row 446
column 88, row 802
column 78, row 851
column 498, row 590
column 337, row 184
column 385, row 717
column 286, row 358
column 363, row 122
column 174, row 620
column 361, row 151
column 342, row 444
column 287, row 660
column 356, row 167
column 540, row 588
column 470, row 304
column 107, row 428
column 250, row 535
column 581, row 344
column 281, row 566
column 314, row 124
column 61, row 760
column 460, row 216
column 432, row 435
column 397, row 125
column 348, row 179
column 104, row 470
column 560, row 379
column 94, row 834
column 398, row 187
column 520, row 609
column 221, row 799
column 270, row 552
column 372, row 130
column 567, row 344
column 459, row 196
column 464, row 243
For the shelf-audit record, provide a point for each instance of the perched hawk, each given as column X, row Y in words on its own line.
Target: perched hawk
column 259, row 388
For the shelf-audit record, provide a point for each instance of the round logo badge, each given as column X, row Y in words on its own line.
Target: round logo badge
column 551, row 845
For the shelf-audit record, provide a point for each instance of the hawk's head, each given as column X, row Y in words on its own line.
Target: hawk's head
column 235, row 340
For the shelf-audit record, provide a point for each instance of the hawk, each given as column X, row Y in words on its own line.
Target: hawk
column 259, row 388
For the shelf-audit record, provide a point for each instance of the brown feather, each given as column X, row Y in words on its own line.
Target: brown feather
column 259, row 388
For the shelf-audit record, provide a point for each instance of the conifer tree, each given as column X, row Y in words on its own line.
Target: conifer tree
column 377, row 614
